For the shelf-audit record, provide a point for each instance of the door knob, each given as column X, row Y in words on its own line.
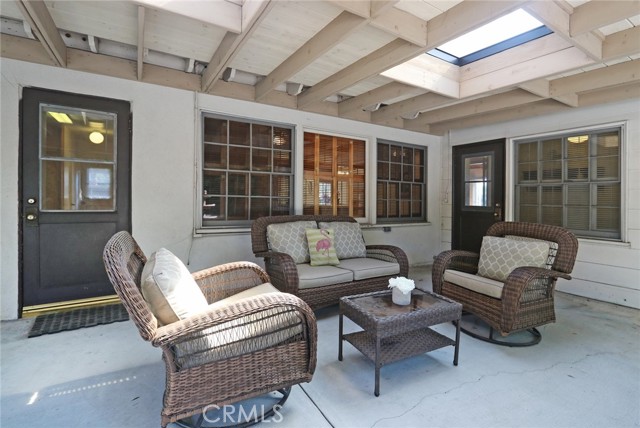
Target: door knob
column 497, row 213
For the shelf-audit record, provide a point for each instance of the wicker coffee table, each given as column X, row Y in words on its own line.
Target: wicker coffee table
column 392, row 332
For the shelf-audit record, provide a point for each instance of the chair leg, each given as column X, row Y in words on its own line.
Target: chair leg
column 241, row 414
column 473, row 326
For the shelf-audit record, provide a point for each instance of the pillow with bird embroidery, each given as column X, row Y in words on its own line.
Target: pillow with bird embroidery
column 321, row 247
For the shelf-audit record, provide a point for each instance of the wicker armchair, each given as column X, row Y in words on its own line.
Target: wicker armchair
column 242, row 370
column 527, row 295
column 284, row 273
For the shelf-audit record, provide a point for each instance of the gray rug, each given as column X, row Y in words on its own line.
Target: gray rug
column 77, row 318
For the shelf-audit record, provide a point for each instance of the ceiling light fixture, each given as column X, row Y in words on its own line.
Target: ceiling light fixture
column 578, row 139
column 96, row 138
column 60, row 117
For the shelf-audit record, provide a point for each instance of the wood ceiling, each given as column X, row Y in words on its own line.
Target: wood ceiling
column 357, row 59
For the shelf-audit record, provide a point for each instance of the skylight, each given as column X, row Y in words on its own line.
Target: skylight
column 508, row 31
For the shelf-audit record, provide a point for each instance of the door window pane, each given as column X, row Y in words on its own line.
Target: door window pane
column 478, row 173
column 77, row 159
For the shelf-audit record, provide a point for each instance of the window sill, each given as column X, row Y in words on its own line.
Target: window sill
column 383, row 225
column 222, row 231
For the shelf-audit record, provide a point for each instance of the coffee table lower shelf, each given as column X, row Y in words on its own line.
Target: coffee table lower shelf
column 400, row 346
column 397, row 347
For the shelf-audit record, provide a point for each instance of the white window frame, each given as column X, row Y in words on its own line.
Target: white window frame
column 510, row 197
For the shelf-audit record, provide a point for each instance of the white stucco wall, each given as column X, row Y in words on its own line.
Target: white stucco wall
column 607, row 271
column 165, row 141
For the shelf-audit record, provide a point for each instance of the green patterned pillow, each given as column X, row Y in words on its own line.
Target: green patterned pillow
column 321, row 247
column 500, row 256
column 349, row 241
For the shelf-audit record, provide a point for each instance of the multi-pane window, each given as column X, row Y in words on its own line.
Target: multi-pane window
column 401, row 183
column 571, row 180
column 334, row 175
column 247, row 170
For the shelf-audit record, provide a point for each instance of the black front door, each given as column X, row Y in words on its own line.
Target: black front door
column 478, row 192
column 75, row 192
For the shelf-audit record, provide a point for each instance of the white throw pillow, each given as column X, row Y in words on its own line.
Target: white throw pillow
column 500, row 256
column 169, row 289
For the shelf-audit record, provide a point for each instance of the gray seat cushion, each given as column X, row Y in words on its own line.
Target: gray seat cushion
column 479, row 284
column 240, row 336
column 317, row 276
column 364, row 268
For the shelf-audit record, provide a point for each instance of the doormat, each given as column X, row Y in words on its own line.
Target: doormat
column 78, row 318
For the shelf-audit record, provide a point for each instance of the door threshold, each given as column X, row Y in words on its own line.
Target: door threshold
column 47, row 308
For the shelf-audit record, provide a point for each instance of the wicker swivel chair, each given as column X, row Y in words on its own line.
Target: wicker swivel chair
column 245, row 364
column 525, row 300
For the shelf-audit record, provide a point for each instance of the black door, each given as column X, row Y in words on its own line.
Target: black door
column 478, row 192
column 75, row 192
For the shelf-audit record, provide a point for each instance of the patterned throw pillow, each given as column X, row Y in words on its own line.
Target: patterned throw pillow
column 500, row 256
column 553, row 247
column 290, row 238
column 349, row 242
column 321, row 247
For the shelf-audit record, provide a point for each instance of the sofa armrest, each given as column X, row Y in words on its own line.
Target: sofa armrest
column 224, row 280
column 282, row 270
column 524, row 283
column 527, row 284
column 464, row 261
column 390, row 253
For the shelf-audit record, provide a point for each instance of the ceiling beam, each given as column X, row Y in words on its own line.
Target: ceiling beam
column 423, row 102
column 545, row 66
column 35, row 12
column 466, row 16
column 491, row 103
column 371, row 65
column 540, row 108
column 379, row 95
column 618, row 74
column 428, row 72
column 141, row 13
column 539, row 87
column 528, row 51
column 621, row 44
column 223, row 14
column 558, row 20
column 401, row 24
column 595, row 14
column 253, row 13
column 332, row 34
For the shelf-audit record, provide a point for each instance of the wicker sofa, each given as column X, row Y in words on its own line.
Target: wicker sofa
column 362, row 268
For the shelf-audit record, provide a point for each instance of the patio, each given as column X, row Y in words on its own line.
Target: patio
column 584, row 373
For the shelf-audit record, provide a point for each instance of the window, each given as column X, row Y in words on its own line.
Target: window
column 509, row 31
column 334, row 175
column 571, row 180
column 401, row 184
column 247, row 171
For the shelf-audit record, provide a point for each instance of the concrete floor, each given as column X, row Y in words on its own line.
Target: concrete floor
column 584, row 373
